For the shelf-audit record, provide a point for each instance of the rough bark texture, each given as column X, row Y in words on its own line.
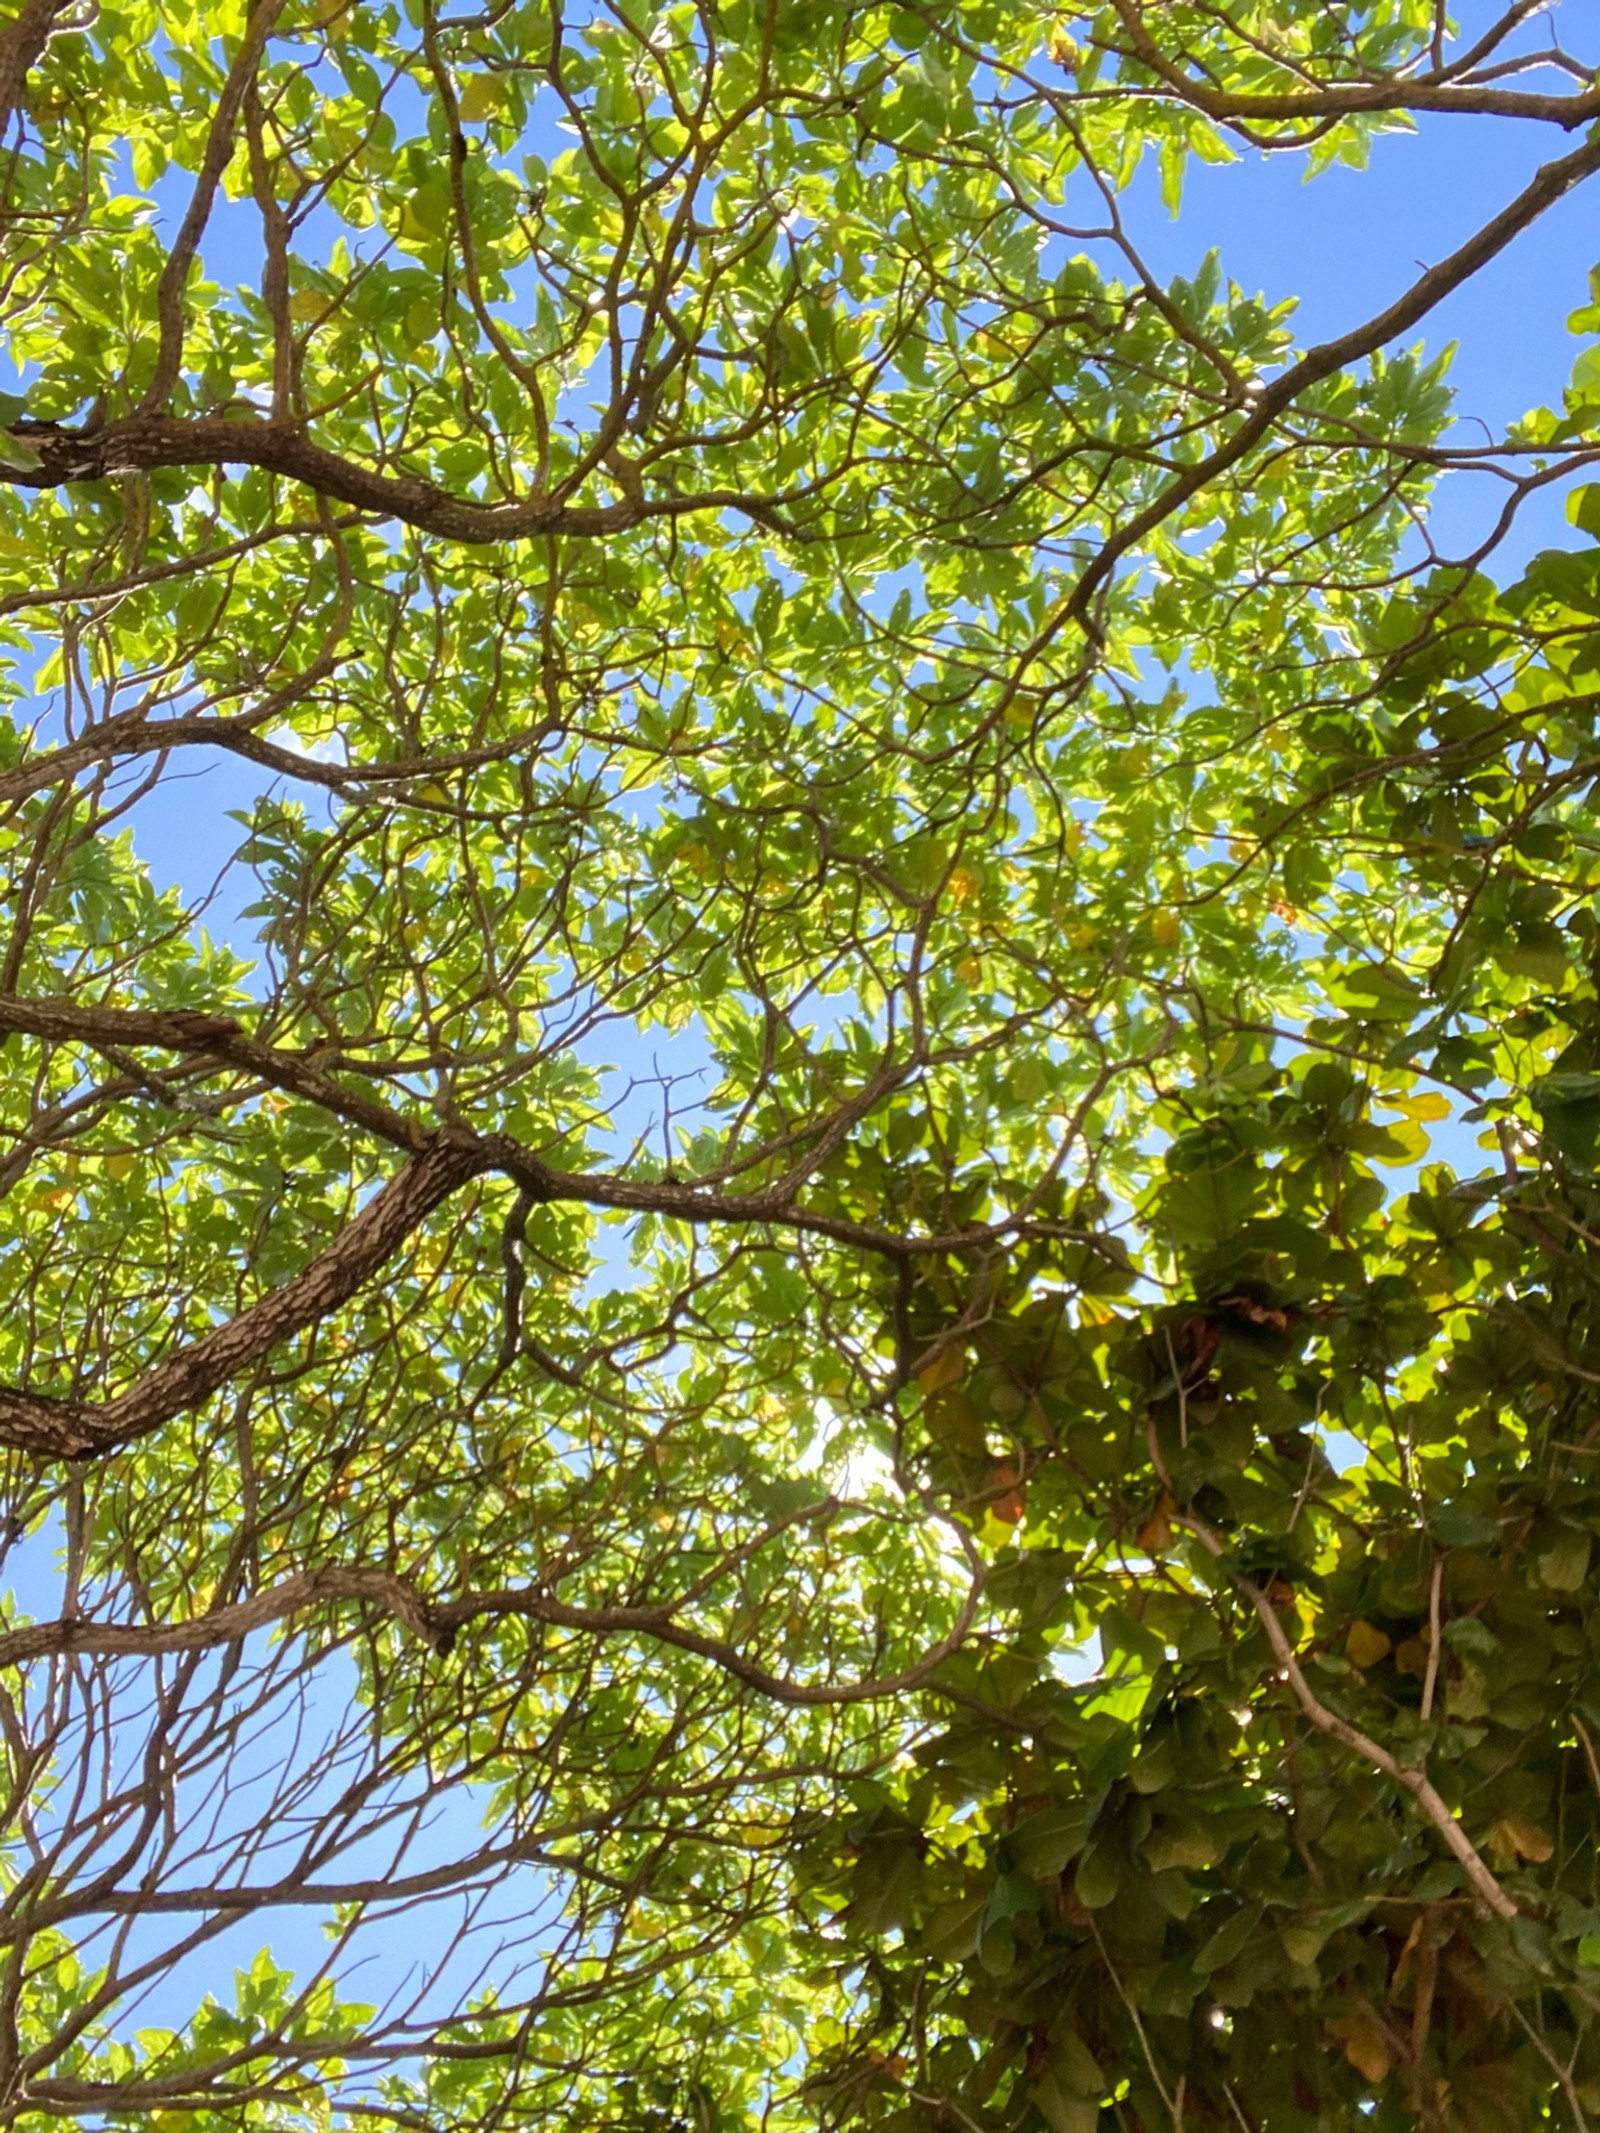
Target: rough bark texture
column 22, row 44
column 79, row 1429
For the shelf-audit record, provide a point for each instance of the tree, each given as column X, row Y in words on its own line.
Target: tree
column 732, row 1383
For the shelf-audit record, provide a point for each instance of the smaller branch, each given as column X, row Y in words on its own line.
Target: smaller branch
column 1431, row 1678
column 1329, row 1722
column 437, row 1624
column 173, row 285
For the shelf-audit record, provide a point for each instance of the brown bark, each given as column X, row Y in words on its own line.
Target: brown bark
column 51, row 1428
column 22, row 44
column 143, row 443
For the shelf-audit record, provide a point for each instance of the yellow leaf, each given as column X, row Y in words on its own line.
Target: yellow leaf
column 948, row 1367
column 1365, row 1645
column 1407, row 1143
column 117, row 1166
column 1155, row 1535
column 54, row 1199
column 1166, row 928
column 419, row 225
column 1063, row 48
column 1411, row 1657
column 307, row 306
column 964, row 885
column 1009, row 1501
column 1366, row 2045
column 1422, row 1110
column 1513, row 1838
column 482, row 96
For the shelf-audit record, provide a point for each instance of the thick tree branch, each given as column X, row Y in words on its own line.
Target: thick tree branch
column 52, row 1428
column 128, row 735
column 1334, row 100
column 76, row 1429
column 221, row 1038
column 22, row 44
column 145, row 442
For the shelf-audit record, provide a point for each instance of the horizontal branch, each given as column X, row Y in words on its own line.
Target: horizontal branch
column 1334, row 100
column 128, row 735
column 438, row 1164
column 145, row 443
column 308, row 1075
column 438, row 1622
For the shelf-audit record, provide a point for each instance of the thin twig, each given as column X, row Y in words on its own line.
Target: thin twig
column 1430, row 1679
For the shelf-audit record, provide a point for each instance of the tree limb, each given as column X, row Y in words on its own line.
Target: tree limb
column 52, row 1428
column 437, row 1622
column 1340, row 1729
column 145, row 441
column 22, row 45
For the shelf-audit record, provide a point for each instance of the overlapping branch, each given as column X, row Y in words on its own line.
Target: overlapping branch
column 437, row 1623
column 439, row 1164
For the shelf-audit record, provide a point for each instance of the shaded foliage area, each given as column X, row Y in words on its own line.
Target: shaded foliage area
column 836, row 1365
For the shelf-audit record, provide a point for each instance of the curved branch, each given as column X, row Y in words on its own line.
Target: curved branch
column 1549, row 184
column 1416, row 1782
column 171, row 288
column 1351, row 99
column 145, row 442
column 129, row 735
column 52, row 1428
column 22, row 45
column 437, row 1623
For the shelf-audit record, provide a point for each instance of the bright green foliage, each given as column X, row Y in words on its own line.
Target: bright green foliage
column 829, row 1357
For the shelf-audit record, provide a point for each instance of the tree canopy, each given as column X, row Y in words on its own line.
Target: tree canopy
column 829, row 1355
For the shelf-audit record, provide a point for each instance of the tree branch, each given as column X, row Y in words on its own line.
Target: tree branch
column 22, row 45
column 79, row 1429
column 144, row 442
column 436, row 1623
column 1340, row 1729
column 173, row 285
column 1335, row 100
column 1548, row 184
